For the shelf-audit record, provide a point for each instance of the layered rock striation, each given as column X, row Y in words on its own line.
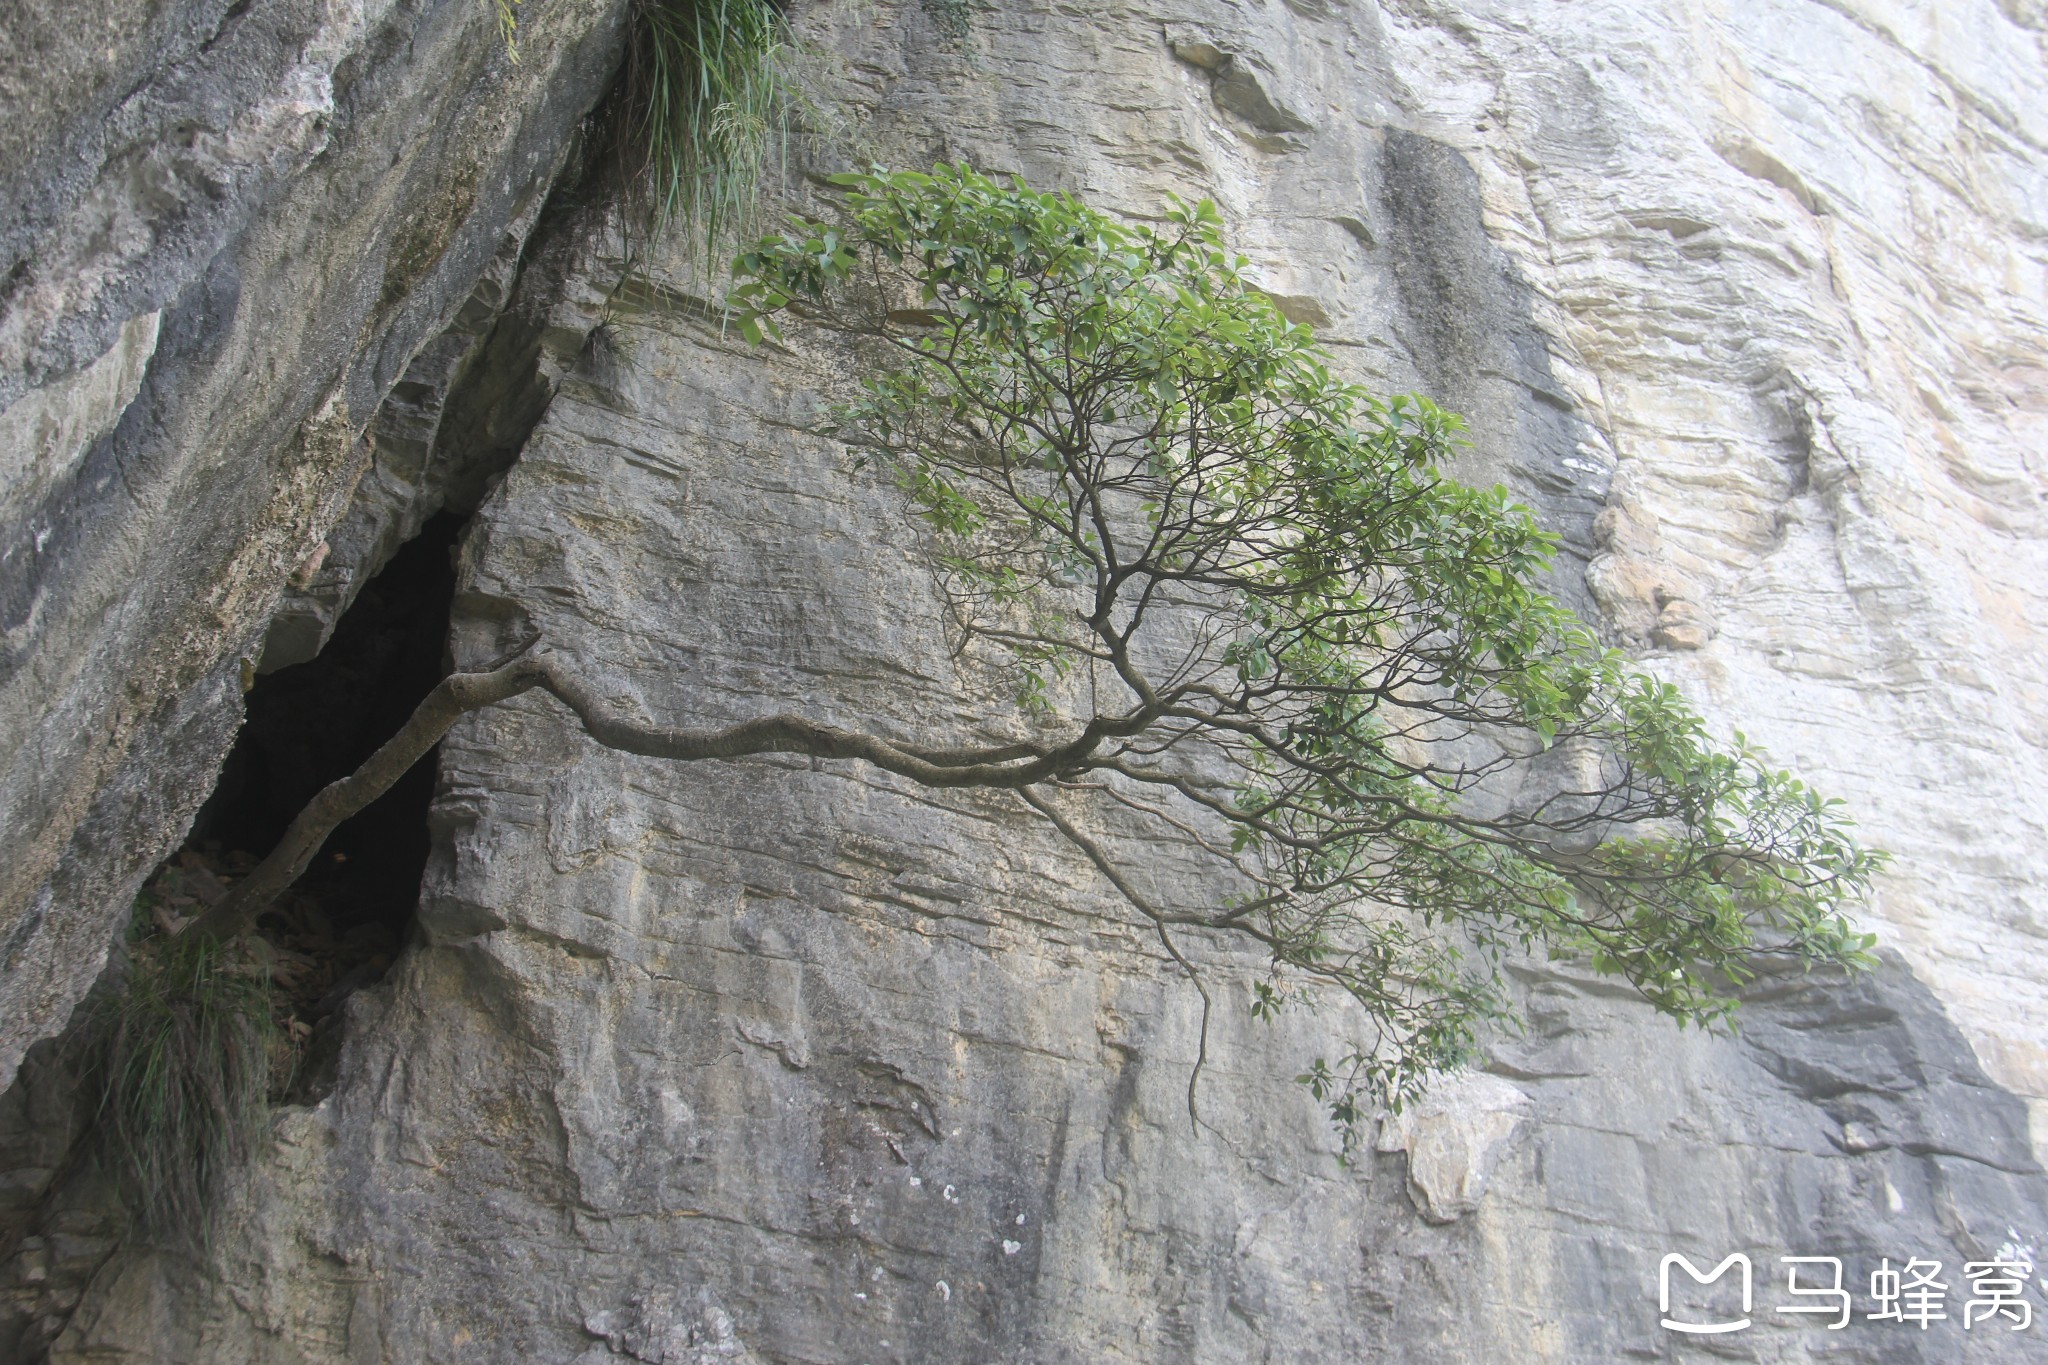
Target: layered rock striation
column 227, row 232
column 786, row 1061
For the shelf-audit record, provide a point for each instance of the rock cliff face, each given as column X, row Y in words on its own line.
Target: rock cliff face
column 780, row 1061
column 227, row 232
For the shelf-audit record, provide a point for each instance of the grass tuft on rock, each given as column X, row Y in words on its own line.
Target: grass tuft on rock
column 188, row 1053
column 709, row 94
column 507, row 12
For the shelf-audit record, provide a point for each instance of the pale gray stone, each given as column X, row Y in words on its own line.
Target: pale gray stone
column 781, row 1061
column 1454, row 1134
column 226, row 230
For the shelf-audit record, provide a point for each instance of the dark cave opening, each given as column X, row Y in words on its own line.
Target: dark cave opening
column 314, row 722
column 345, row 921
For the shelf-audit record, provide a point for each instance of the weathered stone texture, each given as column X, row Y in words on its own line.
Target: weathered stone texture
column 225, row 230
column 781, row 1061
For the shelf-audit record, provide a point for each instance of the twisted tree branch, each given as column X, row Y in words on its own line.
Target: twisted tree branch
column 1009, row 765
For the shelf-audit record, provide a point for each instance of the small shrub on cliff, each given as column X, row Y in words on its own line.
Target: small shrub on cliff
column 1245, row 612
column 507, row 14
column 705, row 93
column 954, row 19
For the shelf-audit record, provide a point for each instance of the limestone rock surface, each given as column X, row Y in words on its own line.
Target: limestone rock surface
column 791, row 1062
column 1454, row 1135
column 225, row 231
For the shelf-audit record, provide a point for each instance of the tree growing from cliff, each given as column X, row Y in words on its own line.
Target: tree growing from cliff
column 1244, row 610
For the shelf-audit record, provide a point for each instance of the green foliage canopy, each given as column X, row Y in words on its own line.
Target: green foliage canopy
column 1244, row 604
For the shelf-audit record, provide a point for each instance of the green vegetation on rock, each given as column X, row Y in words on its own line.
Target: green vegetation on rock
column 953, row 18
column 708, row 96
column 1246, row 609
column 1247, row 617
column 705, row 93
column 186, row 1054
